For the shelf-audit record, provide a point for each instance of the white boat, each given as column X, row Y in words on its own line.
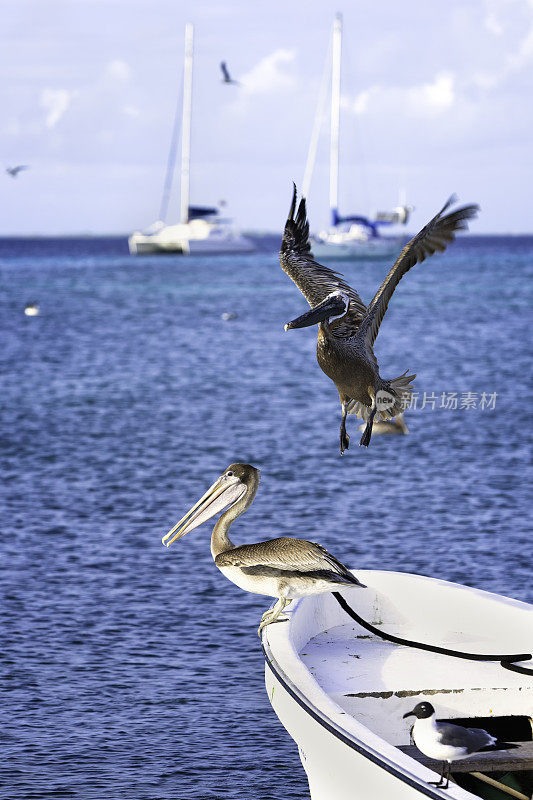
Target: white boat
column 201, row 230
column 205, row 234
column 353, row 236
column 341, row 692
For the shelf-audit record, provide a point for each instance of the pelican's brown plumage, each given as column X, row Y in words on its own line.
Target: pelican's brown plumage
column 284, row 568
column 347, row 328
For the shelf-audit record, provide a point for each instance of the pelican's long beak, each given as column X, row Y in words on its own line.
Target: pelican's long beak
column 224, row 492
column 330, row 307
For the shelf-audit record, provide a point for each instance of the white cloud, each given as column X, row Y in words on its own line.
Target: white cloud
column 12, row 127
column 131, row 111
column 118, row 70
column 434, row 97
column 270, row 74
column 362, row 101
column 493, row 24
column 55, row 102
column 427, row 99
column 518, row 59
column 523, row 55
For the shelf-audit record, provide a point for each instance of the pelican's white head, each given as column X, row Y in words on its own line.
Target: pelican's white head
column 237, row 482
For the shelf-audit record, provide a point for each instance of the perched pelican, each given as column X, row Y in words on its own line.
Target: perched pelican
column 226, row 77
column 347, row 329
column 14, row 171
column 394, row 425
column 283, row 568
column 446, row 742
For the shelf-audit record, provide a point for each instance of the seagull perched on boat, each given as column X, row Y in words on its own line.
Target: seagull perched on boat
column 226, row 76
column 14, row 171
column 284, row 568
column 347, row 329
column 446, row 742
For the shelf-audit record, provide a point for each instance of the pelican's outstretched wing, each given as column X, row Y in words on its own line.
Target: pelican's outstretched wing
column 436, row 235
column 314, row 280
column 285, row 554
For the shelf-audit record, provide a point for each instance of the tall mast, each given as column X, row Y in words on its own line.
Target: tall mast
column 186, row 124
column 335, row 113
column 317, row 125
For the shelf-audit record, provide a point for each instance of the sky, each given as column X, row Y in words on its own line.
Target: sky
column 436, row 98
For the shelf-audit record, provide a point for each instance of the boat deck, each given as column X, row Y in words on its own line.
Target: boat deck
column 377, row 682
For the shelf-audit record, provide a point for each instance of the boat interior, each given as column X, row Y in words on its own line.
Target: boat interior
column 377, row 682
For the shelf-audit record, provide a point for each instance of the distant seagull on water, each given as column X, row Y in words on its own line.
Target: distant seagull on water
column 446, row 742
column 226, row 76
column 14, row 171
column 31, row 309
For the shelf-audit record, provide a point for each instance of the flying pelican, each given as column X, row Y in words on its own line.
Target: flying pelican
column 14, row 171
column 284, row 568
column 226, row 76
column 347, row 329
column 446, row 742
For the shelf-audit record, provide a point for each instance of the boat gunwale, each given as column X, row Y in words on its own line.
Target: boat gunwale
column 349, row 738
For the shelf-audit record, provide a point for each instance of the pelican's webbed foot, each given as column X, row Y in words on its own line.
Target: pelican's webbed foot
column 344, row 440
column 274, row 614
column 264, row 623
column 367, row 433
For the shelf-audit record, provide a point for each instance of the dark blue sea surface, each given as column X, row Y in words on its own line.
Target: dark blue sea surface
column 131, row 671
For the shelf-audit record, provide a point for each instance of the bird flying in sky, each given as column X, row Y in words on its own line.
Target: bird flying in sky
column 226, row 76
column 14, row 171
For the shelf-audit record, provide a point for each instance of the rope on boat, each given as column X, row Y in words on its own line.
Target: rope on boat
column 506, row 661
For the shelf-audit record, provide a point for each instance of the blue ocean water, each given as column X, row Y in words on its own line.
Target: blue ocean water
column 131, row 671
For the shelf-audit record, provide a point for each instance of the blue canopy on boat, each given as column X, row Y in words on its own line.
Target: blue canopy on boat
column 199, row 212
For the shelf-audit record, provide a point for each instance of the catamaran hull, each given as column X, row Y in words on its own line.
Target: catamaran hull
column 351, row 251
column 149, row 245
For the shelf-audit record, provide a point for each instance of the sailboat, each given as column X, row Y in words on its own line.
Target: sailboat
column 201, row 229
column 353, row 236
